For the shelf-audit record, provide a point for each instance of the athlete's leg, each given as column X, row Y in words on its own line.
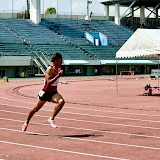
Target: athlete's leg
column 57, row 98
column 39, row 104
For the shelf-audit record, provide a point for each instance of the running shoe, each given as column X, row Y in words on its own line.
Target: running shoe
column 52, row 123
column 24, row 127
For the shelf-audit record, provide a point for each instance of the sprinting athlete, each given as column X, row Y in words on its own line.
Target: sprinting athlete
column 49, row 91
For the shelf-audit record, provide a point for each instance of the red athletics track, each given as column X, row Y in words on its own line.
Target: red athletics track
column 95, row 123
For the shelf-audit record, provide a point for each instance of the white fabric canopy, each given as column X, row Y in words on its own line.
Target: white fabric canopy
column 143, row 43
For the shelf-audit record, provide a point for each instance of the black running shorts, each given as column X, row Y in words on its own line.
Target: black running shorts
column 46, row 96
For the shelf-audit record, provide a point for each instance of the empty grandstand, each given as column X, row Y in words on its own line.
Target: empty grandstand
column 84, row 44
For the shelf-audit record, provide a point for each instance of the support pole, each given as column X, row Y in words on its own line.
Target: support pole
column 116, row 76
column 117, row 14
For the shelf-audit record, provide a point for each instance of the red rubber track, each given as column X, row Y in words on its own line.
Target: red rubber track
column 96, row 123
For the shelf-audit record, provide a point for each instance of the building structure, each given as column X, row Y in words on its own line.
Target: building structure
column 132, row 6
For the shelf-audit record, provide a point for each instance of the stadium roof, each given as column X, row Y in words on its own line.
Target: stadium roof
column 75, row 62
column 146, row 3
column 111, row 62
column 143, row 43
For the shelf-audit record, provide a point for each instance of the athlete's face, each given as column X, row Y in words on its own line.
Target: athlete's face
column 59, row 62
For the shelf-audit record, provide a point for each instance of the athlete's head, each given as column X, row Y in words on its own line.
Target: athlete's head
column 57, row 58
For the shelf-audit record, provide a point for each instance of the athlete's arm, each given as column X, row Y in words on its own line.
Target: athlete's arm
column 49, row 75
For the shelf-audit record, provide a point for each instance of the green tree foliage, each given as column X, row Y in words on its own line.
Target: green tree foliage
column 50, row 10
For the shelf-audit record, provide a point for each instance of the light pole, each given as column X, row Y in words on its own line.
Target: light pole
column 12, row 8
column 57, row 9
column 71, row 8
column 43, row 8
column 28, row 9
column 88, row 2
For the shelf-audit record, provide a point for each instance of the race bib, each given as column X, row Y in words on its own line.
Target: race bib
column 41, row 93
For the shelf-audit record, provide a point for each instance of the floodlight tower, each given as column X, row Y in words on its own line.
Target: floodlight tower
column 88, row 17
column 71, row 7
column 28, row 9
column 12, row 8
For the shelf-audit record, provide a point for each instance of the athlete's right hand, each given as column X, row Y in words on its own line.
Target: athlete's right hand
column 60, row 73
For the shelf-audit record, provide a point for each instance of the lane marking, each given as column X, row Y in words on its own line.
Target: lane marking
column 85, row 109
column 60, row 150
column 88, row 129
column 112, row 143
column 87, row 140
column 85, row 121
column 100, row 116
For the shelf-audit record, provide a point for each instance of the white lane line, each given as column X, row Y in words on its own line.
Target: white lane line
column 60, row 150
column 149, row 115
column 112, row 117
column 88, row 129
column 100, row 116
column 85, row 121
column 86, row 140
column 112, row 143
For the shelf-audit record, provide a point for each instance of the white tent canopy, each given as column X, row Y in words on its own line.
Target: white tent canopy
column 143, row 43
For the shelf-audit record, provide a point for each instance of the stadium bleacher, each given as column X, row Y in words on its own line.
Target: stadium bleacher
column 62, row 35
column 21, row 37
column 15, row 49
column 73, row 31
column 37, row 36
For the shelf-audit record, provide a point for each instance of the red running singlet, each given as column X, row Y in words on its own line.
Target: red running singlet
column 53, row 86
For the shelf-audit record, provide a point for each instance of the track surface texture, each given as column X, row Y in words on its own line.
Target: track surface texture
column 102, row 119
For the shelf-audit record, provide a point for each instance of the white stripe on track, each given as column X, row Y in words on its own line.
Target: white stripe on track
column 88, row 129
column 86, row 121
column 149, row 115
column 131, row 119
column 112, row 143
column 87, row 140
column 100, row 116
column 60, row 150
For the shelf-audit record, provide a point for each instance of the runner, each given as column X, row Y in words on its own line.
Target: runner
column 49, row 91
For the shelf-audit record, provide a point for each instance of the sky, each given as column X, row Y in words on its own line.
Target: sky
column 62, row 6
column 79, row 7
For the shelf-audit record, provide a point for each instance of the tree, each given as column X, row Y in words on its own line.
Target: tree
column 50, row 10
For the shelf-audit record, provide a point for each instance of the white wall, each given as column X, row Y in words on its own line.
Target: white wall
column 8, row 15
column 15, row 61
